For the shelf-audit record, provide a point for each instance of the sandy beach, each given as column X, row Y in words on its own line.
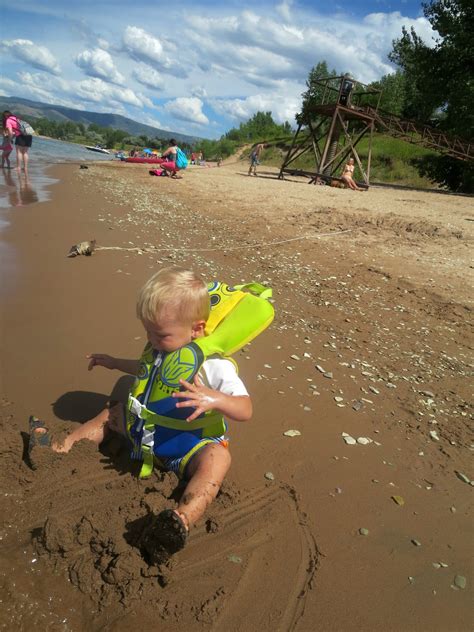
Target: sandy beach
column 372, row 338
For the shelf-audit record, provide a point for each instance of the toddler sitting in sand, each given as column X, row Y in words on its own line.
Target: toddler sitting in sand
column 173, row 307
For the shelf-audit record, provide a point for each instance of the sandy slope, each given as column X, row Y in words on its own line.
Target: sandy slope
column 382, row 307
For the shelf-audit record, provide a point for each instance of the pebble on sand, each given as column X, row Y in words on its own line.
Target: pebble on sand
column 399, row 500
column 462, row 477
column 460, row 581
column 348, row 439
column 269, row 476
column 292, row 433
column 363, row 531
column 426, row 393
column 235, row 559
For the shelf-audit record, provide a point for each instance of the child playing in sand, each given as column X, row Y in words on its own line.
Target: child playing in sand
column 173, row 307
column 6, row 148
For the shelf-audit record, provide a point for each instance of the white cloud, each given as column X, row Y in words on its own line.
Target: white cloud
column 187, row 109
column 149, row 120
column 148, row 76
column 37, row 56
column 261, row 49
column 142, row 46
column 99, row 63
column 103, row 43
column 74, row 93
column 98, row 91
column 199, row 92
column 282, row 107
column 284, row 9
column 52, row 90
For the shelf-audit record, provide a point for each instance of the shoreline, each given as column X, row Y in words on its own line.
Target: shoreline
column 386, row 304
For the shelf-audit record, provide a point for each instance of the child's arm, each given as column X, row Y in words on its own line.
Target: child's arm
column 202, row 398
column 109, row 362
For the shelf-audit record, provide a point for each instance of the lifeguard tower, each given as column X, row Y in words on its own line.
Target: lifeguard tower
column 337, row 113
column 340, row 113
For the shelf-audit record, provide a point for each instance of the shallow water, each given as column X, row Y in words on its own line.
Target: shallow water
column 18, row 189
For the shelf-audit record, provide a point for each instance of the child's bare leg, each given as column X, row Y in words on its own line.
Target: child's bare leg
column 95, row 429
column 206, row 472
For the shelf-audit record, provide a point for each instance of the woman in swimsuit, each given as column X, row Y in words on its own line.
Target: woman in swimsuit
column 348, row 175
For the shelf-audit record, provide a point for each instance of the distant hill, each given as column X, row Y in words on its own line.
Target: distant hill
column 35, row 109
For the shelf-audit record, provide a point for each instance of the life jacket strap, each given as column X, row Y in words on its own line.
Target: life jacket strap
column 147, row 466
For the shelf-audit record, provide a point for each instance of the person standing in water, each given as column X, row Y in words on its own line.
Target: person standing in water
column 6, row 148
column 23, row 142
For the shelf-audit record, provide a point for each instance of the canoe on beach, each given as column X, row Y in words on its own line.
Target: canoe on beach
column 149, row 161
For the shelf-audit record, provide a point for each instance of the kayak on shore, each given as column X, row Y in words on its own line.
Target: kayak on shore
column 150, row 161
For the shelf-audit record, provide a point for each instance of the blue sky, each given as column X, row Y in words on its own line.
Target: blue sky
column 193, row 67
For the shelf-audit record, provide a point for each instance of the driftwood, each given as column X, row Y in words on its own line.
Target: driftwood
column 82, row 248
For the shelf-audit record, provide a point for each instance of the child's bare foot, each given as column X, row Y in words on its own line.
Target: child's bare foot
column 171, row 530
column 165, row 535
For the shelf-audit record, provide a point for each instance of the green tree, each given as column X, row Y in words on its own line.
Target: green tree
column 314, row 93
column 393, row 89
column 439, row 82
column 258, row 128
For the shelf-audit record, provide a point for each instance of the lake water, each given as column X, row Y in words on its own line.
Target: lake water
column 18, row 190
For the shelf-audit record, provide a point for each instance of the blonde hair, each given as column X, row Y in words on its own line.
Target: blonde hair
column 178, row 290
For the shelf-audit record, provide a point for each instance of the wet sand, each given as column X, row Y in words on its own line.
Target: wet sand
column 372, row 337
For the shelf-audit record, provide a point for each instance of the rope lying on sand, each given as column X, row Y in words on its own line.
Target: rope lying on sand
column 258, row 245
column 88, row 247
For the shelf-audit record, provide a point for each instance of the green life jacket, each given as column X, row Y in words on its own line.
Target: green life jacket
column 154, row 424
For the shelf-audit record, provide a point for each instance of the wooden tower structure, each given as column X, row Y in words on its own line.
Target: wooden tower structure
column 331, row 125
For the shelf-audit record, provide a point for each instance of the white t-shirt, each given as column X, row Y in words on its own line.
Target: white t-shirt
column 221, row 375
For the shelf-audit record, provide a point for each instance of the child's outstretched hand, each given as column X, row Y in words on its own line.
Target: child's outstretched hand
column 197, row 396
column 100, row 359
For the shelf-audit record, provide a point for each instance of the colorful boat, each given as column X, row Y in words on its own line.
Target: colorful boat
column 98, row 148
column 148, row 161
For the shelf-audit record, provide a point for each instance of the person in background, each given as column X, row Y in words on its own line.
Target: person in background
column 22, row 141
column 255, row 159
column 348, row 175
column 170, row 164
column 6, row 148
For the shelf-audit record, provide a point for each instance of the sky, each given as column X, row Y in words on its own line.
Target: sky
column 194, row 67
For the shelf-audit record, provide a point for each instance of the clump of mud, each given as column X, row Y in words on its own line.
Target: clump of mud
column 104, row 545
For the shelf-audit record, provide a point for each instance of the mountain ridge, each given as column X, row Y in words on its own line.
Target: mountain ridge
column 36, row 109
